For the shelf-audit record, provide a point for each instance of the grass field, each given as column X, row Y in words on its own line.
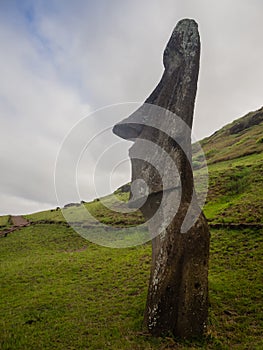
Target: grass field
column 58, row 291
column 236, row 191
column 4, row 221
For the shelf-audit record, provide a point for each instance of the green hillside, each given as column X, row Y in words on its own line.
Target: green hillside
column 234, row 156
column 59, row 291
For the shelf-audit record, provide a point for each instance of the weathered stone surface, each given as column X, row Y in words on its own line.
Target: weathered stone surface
column 161, row 156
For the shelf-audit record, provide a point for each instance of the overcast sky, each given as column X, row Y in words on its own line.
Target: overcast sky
column 61, row 60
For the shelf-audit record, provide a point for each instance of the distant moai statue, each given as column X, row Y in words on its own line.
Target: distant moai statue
column 161, row 158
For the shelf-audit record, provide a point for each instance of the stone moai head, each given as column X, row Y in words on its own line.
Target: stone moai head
column 161, row 127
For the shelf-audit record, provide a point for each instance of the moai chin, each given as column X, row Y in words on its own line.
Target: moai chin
column 177, row 301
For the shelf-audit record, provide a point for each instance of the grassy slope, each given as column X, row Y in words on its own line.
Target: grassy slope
column 236, row 191
column 97, row 209
column 4, row 221
column 235, row 179
column 235, row 172
column 58, row 291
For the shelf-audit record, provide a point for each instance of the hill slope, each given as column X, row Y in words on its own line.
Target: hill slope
column 235, row 162
column 240, row 138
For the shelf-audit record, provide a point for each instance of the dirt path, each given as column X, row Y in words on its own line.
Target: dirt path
column 18, row 220
column 17, row 223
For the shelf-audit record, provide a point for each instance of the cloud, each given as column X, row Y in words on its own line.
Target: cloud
column 116, row 51
column 59, row 61
column 36, row 111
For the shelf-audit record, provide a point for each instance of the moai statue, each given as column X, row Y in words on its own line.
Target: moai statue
column 163, row 189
